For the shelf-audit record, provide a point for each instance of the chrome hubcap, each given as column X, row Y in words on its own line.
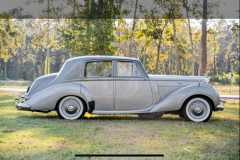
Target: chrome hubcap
column 71, row 107
column 197, row 109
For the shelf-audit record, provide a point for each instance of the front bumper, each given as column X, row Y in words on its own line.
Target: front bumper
column 20, row 105
column 220, row 107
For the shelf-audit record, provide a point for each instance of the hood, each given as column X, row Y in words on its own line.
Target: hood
column 201, row 79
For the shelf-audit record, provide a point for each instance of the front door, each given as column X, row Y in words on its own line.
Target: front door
column 98, row 79
column 132, row 87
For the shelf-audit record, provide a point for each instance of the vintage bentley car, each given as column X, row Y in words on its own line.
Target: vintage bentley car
column 119, row 85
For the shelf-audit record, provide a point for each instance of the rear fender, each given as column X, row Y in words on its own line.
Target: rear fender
column 47, row 98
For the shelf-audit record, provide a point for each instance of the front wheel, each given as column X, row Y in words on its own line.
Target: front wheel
column 71, row 108
column 198, row 109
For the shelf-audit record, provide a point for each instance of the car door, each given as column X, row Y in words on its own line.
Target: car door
column 98, row 79
column 132, row 87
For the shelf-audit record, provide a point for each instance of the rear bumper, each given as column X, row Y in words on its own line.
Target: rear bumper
column 20, row 105
column 220, row 107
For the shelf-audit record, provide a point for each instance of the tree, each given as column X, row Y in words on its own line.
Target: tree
column 172, row 11
column 204, row 39
column 92, row 32
column 133, row 26
column 9, row 39
column 185, row 5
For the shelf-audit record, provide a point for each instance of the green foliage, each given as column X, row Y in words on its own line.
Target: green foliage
column 10, row 36
column 223, row 79
column 236, row 79
column 89, row 37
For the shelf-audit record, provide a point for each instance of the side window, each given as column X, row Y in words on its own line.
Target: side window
column 128, row 69
column 98, row 69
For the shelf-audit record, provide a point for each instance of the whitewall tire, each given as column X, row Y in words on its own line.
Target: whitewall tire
column 71, row 108
column 197, row 109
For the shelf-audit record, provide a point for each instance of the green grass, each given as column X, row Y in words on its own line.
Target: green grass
column 17, row 87
column 27, row 135
column 14, row 84
column 225, row 89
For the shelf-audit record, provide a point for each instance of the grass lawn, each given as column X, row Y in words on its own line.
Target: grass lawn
column 225, row 89
column 27, row 135
column 17, row 87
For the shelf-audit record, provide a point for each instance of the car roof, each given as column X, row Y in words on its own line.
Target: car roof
column 101, row 57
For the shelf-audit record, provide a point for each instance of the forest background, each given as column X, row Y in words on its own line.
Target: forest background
column 176, row 37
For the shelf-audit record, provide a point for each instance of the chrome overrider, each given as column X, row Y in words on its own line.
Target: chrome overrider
column 220, row 107
column 20, row 105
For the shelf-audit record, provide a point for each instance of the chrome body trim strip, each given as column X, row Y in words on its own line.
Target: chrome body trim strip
column 146, row 110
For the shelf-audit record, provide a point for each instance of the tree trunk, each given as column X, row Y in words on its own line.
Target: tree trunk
column 34, row 70
column 171, row 66
column 133, row 26
column 13, row 70
column 144, row 56
column 100, row 5
column 42, row 67
column 159, row 47
column 43, row 63
column 228, row 63
column 11, row 63
column 183, row 73
column 5, row 70
column 214, row 63
column 176, row 50
column 20, row 68
column 204, row 39
column 192, row 58
column 180, row 67
column 159, row 44
column 200, row 61
column 118, row 32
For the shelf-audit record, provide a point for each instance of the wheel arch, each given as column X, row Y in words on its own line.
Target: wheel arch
column 198, row 95
column 82, row 99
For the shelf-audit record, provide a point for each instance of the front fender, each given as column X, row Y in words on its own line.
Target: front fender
column 47, row 98
column 175, row 100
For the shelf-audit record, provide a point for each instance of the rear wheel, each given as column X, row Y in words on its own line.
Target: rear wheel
column 197, row 109
column 71, row 108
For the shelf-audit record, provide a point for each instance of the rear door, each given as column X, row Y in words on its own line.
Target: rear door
column 132, row 87
column 98, row 79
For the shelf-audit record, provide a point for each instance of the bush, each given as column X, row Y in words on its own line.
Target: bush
column 222, row 79
column 235, row 79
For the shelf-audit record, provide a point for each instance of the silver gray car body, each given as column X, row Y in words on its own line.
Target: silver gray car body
column 115, row 94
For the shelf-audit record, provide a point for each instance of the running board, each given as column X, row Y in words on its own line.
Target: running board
column 147, row 110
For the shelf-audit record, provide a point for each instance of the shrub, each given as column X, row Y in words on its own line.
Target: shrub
column 236, row 79
column 223, row 79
